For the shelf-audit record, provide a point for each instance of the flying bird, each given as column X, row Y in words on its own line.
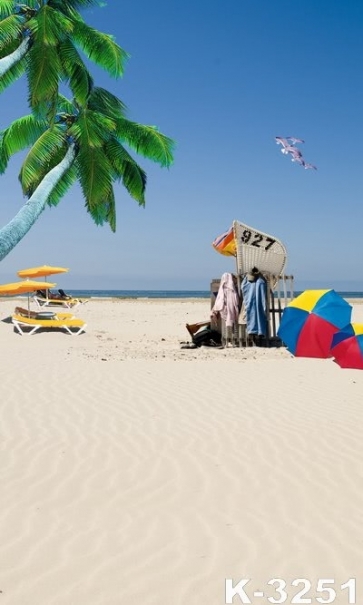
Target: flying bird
column 288, row 141
column 288, row 148
column 294, row 140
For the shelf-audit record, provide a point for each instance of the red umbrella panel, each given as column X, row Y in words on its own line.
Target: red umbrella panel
column 310, row 321
column 347, row 347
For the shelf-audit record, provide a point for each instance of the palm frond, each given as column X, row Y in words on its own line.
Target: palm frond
column 20, row 135
column 111, row 210
column 51, row 26
column 44, row 67
column 65, row 105
column 75, row 71
column 92, row 129
column 100, row 48
column 104, row 101
column 9, row 47
column 42, row 157
column 67, row 5
column 63, row 185
column 6, row 8
column 10, row 29
column 126, row 169
column 147, row 141
column 94, row 173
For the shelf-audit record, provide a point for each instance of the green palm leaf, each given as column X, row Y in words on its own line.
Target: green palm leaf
column 92, row 129
column 111, row 210
column 44, row 67
column 94, row 173
column 147, row 141
column 10, row 29
column 75, row 72
column 127, row 170
column 20, row 135
column 67, row 5
column 50, row 26
column 104, row 101
column 6, row 8
column 65, row 105
column 100, row 48
column 42, row 157
column 63, row 185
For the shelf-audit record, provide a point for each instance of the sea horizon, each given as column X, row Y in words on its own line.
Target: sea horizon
column 94, row 293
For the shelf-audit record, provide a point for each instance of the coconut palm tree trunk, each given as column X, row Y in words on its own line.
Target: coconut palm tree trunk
column 18, row 227
column 14, row 57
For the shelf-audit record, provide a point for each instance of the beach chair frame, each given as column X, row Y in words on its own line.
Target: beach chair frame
column 29, row 325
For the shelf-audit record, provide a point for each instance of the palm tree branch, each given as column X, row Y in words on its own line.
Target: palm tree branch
column 100, row 48
column 94, row 172
column 20, row 135
column 75, row 71
column 102, row 100
column 127, row 170
column 10, row 29
column 63, row 185
column 146, row 140
column 42, row 157
column 6, row 8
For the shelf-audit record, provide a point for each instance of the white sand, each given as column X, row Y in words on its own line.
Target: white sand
column 130, row 477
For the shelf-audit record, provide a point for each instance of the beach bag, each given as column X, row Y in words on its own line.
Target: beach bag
column 206, row 336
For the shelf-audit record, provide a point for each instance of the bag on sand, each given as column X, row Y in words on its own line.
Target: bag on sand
column 205, row 335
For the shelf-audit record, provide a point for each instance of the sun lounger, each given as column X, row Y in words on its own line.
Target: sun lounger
column 57, row 302
column 43, row 315
column 71, row 325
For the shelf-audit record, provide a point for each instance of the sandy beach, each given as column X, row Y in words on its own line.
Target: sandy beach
column 137, row 472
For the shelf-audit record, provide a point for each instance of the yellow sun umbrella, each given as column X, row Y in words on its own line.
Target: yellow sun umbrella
column 42, row 271
column 22, row 287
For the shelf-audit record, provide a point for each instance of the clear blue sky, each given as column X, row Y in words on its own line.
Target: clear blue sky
column 223, row 79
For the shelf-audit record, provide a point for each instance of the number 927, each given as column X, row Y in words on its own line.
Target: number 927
column 257, row 239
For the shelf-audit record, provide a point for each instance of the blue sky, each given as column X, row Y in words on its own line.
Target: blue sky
column 222, row 79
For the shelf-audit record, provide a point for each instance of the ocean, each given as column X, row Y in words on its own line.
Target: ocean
column 165, row 294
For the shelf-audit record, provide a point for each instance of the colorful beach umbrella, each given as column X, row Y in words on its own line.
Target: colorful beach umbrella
column 347, row 346
column 310, row 321
column 226, row 244
column 42, row 271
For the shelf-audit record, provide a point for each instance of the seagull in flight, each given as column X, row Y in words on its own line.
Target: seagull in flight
column 288, row 141
column 288, row 148
column 294, row 140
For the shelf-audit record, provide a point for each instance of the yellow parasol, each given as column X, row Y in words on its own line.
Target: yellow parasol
column 42, row 271
column 24, row 287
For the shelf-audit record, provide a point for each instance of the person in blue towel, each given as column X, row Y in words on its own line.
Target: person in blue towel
column 254, row 292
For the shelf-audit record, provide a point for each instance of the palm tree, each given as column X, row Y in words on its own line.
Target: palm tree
column 41, row 38
column 85, row 143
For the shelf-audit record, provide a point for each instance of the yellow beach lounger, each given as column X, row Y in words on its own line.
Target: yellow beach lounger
column 58, row 302
column 71, row 325
column 43, row 315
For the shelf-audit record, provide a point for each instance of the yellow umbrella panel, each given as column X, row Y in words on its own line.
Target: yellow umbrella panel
column 22, row 287
column 42, row 271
